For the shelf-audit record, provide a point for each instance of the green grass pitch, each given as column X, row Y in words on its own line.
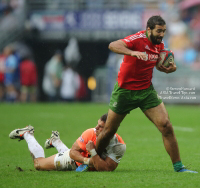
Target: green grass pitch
column 145, row 163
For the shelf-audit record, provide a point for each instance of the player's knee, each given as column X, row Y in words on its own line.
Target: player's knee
column 37, row 164
column 166, row 127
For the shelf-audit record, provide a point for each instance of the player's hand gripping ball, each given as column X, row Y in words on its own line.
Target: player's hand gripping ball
column 166, row 57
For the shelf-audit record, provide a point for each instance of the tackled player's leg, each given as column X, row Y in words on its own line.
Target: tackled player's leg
column 45, row 163
column 60, row 161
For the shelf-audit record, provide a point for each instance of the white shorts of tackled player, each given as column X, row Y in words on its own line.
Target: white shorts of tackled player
column 63, row 161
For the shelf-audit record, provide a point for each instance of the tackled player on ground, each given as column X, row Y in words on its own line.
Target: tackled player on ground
column 81, row 157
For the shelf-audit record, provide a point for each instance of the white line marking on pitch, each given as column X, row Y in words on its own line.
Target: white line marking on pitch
column 184, row 129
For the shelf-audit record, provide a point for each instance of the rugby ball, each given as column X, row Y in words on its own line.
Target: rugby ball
column 165, row 57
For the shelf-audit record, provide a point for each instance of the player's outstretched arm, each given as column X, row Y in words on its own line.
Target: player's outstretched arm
column 121, row 47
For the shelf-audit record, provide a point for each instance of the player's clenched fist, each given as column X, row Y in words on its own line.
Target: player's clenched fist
column 90, row 145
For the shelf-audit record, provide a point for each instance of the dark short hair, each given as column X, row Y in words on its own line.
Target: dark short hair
column 104, row 117
column 155, row 20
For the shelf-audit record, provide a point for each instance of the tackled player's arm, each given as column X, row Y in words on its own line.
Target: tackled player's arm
column 103, row 165
column 99, row 164
column 75, row 153
column 121, row 47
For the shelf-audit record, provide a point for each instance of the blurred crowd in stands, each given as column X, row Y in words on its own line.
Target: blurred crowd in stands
column 183, row 37
column 18, row 71
column 61, row 81
column 10, row 14
column 19, row 75
column 10, row 6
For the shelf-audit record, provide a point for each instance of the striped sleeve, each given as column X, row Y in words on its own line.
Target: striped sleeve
column 132, row 39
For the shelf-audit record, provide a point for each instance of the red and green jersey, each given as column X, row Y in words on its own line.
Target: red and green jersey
column 134, row 73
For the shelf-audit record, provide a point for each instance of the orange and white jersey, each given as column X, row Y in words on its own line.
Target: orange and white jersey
column 115, row 150
column 89, row 134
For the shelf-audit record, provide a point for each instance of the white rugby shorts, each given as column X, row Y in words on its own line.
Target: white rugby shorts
column 62, row 161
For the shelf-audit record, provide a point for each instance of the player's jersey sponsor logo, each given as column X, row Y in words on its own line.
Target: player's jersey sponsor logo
column 151, row 57
column 81, row 139
column 115, row 104
column 159, row 97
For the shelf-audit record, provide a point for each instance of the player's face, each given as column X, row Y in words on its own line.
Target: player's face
column 99, row 127
column 157, row 34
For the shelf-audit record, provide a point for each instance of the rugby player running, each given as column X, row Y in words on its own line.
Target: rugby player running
column 134, row 87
